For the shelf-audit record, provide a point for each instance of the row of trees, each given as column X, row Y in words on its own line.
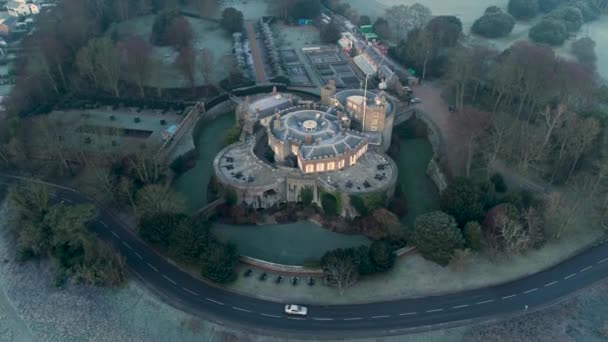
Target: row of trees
column 342, row 267
column 58, row 232
column 190, row 242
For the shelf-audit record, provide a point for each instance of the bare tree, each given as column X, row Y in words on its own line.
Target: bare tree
column 342, row 272
column 515, row 237
column 185, row 62
column 207, row 64
column 99, row 60
column 156, row 198
column 137, row 54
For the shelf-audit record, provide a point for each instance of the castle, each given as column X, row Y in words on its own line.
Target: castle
column 336, row 146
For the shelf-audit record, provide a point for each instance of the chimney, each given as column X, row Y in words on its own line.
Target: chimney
column 308, row 140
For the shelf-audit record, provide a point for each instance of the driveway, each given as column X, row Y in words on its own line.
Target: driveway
column 456, row 128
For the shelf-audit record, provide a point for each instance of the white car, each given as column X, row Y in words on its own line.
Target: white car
column 415, row 100
column 299, row 310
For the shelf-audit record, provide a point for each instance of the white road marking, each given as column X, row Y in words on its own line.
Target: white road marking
column 214, row 301
column 139, row 256
column 169, row 279
column 485, row 302
column 570, row 276
column 115, row 235
column 460, row 306
column 322, row 319
column 269, row 315
column 532, row 290
column 603, row 260
column 296, row 318
column 510, row 296
column 434, row 310
column 240, row 309
column 381, row 316
column 407, row 313
column 126, row 245
column 586, row 269
column 353, row 319
column 152, row 267
column 551, row 283
column 103, row 224
column 190, row 292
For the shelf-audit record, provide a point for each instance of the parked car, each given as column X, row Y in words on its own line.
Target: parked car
column 415, row 100
column 452, row 109
column 408, row 90
column 298, row 310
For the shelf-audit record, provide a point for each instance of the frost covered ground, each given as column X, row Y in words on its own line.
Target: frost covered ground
column 165, row 74
column 414, row 276
column 31, row 309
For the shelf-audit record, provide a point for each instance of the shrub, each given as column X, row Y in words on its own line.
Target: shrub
column 158, row 228
column 218, row 262
column 112, row 118
column 359, row 204
column 163, row 122
column 231, row 197
column 137, row 120
column 329, row 204
column 307, row 195
column 382, row 256
column 472, row 235
column 499, row 183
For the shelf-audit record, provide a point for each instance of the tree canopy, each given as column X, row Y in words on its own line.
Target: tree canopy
column 494, row 23
column 549, row 31
column 462, row 199
column 584, row 50
column 523, row 9
column 232, row 20
column 59, row 233
column 436, row 236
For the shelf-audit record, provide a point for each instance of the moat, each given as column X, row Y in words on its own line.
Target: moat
column 304, row 240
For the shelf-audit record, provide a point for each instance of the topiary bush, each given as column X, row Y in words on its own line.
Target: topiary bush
column 549, row 31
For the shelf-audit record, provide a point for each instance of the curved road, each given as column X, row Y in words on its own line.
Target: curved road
column 372, row 319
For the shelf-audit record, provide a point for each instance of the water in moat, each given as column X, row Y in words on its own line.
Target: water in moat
column 298, row 242
column 193, row 183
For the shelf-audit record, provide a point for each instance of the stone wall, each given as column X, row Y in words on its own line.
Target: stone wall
column 279, row 268
column 434, row 170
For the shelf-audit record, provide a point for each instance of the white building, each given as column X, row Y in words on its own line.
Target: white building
column 17, row 8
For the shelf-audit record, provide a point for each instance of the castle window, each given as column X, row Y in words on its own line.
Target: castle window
column 341, row 164
column 320, row 167
column 375, row 121
column 331, row 166
column 375, row 115
column 310, row 168
column 374, row 128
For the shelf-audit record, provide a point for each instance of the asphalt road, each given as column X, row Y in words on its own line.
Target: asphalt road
column 379, row 318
